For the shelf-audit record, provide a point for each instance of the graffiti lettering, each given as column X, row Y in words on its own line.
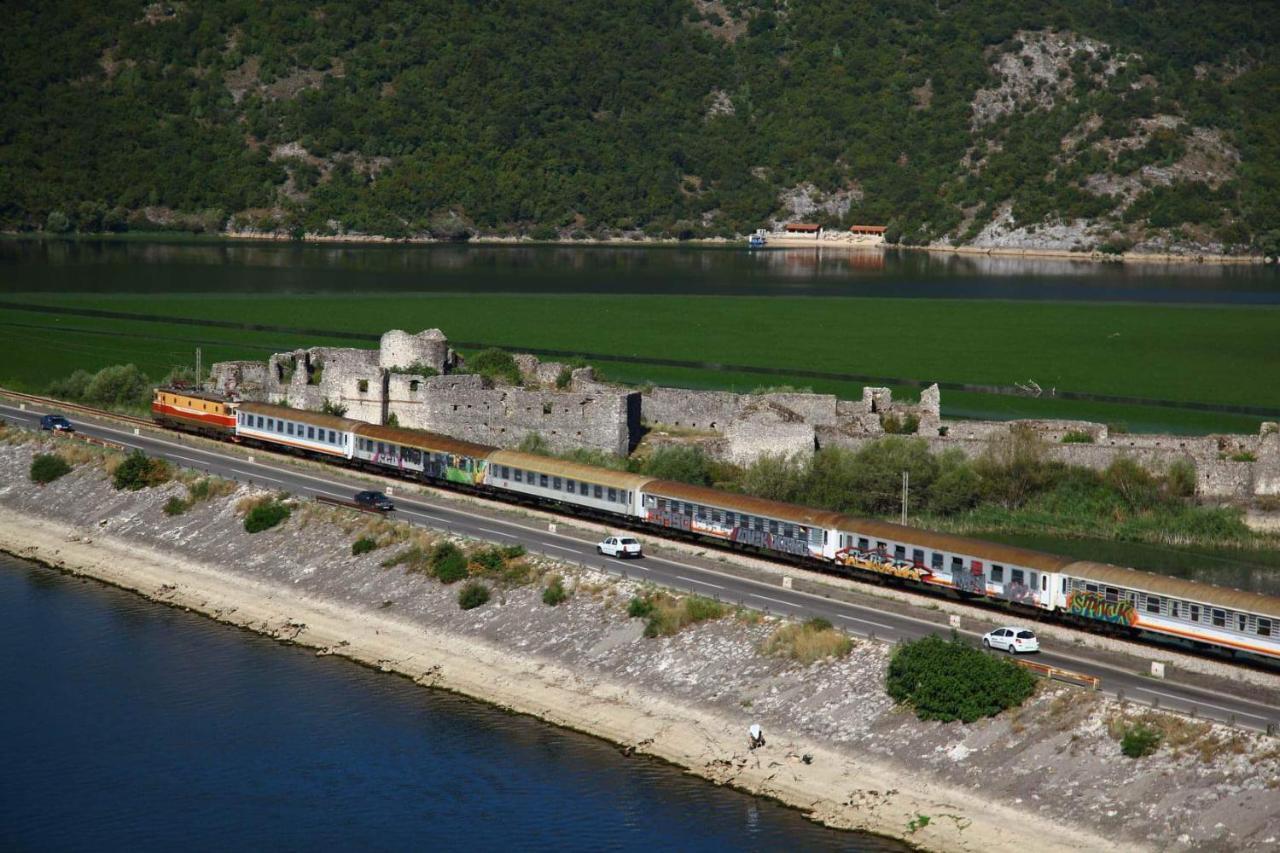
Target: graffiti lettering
column 772, row 541
column 874, row 562
column 1019, row 593
column 1092, row 605
column 970, row 581
column 668, row 519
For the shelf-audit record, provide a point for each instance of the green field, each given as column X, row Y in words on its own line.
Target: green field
column 1217, row 355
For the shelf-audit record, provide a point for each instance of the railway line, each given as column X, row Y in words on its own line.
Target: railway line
column 1244, row 706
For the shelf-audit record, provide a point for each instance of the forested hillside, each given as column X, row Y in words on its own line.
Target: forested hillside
column 1072, row 123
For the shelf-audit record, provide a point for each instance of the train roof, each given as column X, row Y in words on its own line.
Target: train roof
column 423, row 440
column 993, row 551
column 745, row 504
column 195, row 394
column 1187, row 590
column 573, row 470
column 302, row 416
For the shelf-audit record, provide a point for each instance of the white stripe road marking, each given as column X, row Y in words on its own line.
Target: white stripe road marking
column 1205, row 704
column 497, row 532
column 557, row 547
column 253, row 475
column 620, row 563
column 774, row 600
column 424, row 515
column 866, row 622
column 695, row 580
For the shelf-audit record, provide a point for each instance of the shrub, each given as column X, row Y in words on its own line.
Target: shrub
column 265, row 516
column 554, row 593
column 949, row 681
column 176, row 506
column 1243, row 456
column 1140, row 741
column 511, row 552
column 1077, row 436
column 47, row 467
column 447, row 562
column 363, row 545
column 473, row 595
column 680, row 462
column 489, row 559
column 496, row 365
column 667, row 615
column 329, row 407
column 138, row 471
column 809, row 642
column 639, row 608
column 1181, row 478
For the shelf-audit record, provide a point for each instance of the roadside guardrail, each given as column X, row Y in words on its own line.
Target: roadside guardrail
column 1090, row 682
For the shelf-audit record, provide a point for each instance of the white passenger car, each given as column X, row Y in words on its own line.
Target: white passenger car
column 1012, row 640
column 620, row 546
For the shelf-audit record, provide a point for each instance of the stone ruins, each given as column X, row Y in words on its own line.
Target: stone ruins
column 418, row 381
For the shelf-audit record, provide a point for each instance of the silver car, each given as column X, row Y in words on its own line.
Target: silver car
column 1011, row 640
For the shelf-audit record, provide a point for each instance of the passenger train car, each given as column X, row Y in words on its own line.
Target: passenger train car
column 1094, row 595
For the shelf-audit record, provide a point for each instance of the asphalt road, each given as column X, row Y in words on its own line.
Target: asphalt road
column 689, row 574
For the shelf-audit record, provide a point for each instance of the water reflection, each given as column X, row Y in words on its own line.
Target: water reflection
column 219, row 267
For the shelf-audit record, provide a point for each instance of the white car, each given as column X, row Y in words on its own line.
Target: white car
column 620, row 546
column 1011, row 640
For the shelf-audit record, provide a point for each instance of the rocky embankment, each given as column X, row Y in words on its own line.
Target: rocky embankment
column 1047, row 777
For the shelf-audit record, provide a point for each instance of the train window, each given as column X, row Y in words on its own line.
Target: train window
column 613, row 496
column 863, row 544
column 259, row 421
column 519, row 478
column 542, row 480
column 900, row 552
column 1044, row 583
column 557, row 484
column 957, row 565
column 1016, row 576
column 1112, row 594
column 702, row 512
column 1241, row 622
column 1219, row 619
column 1173, row 610
column 288, row 427
column 997, row 573
column 333, row 437
column 1194, row 612
column 1153, row 604
column 597, row 492
column 881, row 546
column 917, row 556
column 1091, row 587
column 1264, row 627
column 773, row 526
column 311, row 432
column 936, row 561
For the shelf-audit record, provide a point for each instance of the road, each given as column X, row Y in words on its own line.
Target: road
column 679, row 572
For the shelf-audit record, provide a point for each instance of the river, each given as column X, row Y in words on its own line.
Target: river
column 130, row 725
column 195, row 266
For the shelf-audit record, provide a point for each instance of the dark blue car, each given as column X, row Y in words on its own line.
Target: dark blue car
column 56, row 423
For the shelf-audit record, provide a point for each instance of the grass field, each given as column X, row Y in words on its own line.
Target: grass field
column 1217, row 355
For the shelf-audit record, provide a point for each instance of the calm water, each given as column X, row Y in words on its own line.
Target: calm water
column 130, row 726
column 94, row 266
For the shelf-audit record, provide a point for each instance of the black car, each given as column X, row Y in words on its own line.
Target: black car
column 56, row 423
column 375, row 500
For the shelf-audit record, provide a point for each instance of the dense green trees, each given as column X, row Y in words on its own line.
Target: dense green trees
column 538, row 116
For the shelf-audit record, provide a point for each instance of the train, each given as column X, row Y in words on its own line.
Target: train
column 1096, row 596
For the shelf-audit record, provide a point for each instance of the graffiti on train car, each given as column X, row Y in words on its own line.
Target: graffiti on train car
column 1019, row 593
column 1093, row 605
column 885, row 565
column 772, row 541
column 674, row 520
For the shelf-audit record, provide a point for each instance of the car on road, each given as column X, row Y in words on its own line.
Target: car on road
column 620, row 546
column 375, row 500
column 1012, row 640
column 56, row 423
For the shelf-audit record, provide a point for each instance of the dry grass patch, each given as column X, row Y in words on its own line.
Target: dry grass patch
column 666, row 615
column 808, row 642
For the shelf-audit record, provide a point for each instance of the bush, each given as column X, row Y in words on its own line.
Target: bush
column 490, row 559
column 138, row 471
column 667, row 615
column 1077, row 436
column 639, row 608
column 47, row 467
column 1140, row 741
column 680, row 462
column 554, row 593
column 265, row 516
column 363, row 545
column 447, row 563
column 496, row 365
column 1181, row 478
column 949, row 681
column 473, row 595
column 176, row 506
column 808, row 643
column 511, row 552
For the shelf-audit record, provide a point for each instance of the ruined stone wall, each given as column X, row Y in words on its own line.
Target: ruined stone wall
column 506, row 416
column 245, row 380
column 683, row 407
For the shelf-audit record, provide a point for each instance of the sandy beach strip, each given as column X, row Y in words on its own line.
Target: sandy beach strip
column 839, row 788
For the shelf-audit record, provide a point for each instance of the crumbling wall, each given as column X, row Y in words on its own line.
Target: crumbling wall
column 244, row 380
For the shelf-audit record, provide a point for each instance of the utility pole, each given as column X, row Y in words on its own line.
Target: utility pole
column 199, row 383
column 906, row 485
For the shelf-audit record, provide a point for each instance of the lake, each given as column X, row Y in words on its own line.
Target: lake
column 128, row 725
